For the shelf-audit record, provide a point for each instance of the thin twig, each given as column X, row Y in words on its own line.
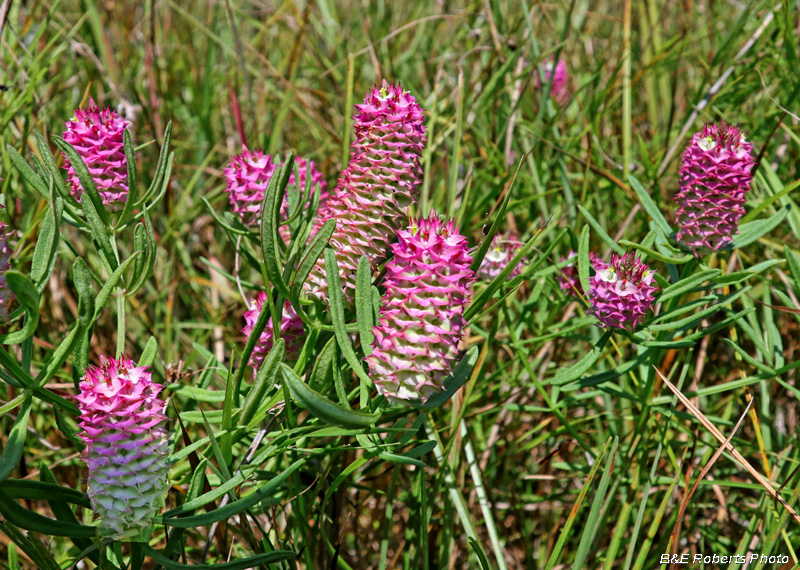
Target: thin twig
column 726, row 444
column 685, row 503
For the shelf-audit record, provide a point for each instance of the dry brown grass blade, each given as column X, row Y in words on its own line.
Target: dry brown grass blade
column 673, row 539
column 727, row 445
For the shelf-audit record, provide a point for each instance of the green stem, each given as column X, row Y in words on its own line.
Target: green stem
column 120, row 322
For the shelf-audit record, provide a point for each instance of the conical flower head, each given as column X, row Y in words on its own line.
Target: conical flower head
column 559, row 89
column 370, row 203
column 421, row 320
column 569, row 281
column 622, row 292
column 248, row 175
column 503, row 249
column 96, row 134
column 715, row 178
column 6, row 295
column 292, row 332
column 127, row 446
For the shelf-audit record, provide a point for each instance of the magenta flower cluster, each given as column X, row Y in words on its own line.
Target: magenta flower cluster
column 96, row 134
column 371, row 200
column 122, row 417
column 421, row 320
column 715, row 178
column 622, row 292
column 559, row 88
column 248, row 175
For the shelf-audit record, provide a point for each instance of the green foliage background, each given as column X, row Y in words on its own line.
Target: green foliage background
column 564, row 448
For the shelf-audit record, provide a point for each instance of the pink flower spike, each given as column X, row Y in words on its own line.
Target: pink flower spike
column 715, row 178
column 559, row 89
column 421, row 320
column 370, row 203
column 96, row 134
column 127, row 447
column 622, row 292
column 248, row 175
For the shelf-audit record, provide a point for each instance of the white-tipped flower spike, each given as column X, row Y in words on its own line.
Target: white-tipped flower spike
column 370, row 203
column 96, row 134
column 248, row 175
column 6, row 296
column 503, row 249
column 715, row 178
column 421, row 320
column 622, row 292
column 292, row 332
column 127, row 446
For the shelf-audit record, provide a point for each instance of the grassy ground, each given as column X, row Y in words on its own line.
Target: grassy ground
column 548, row 457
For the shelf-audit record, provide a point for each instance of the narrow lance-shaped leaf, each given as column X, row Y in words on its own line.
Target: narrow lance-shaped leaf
column 583, row 260
column 86, row 180
column 322, row 407
column 264, row 378
column 364, row 305
column 270, row 209
column 336, row 298
column 27, row 172
column 27, row 295
column 44, row 254
column 650, row 206
column 15, row 445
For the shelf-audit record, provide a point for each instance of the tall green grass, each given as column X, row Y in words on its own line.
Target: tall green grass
column 563, row 447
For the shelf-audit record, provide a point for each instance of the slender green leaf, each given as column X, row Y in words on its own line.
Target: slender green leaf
column 15, row 445
column 752, row 231
column 99, row 233
column 592, row 525
column 44, row 254
column 583, row 260
column 688, row 284
column 35, row 522
column 567, row 375
column 27, row 172
column 87, row 182
column 44, row 491
column 264, row 379
column 336, row 299
column 461, row 373
column 310, row 257
column 149, row 352
column 498, row 219
column 270, row 209
column 27, row 295
column 243, row 564
column 614, row 246
column 31, row 546
column 656, row 255
column 650, row 206
column 364, row 304
column 322, row 407
column 234, row 508
column 793, row 261
column 56, row 173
